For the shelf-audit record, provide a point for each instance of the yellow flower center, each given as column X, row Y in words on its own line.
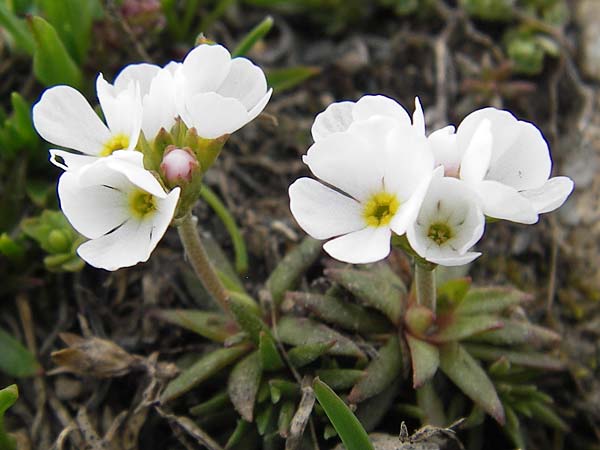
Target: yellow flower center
column 141, row 203
column 439, row 232
column 380, row 209
column 117, row 142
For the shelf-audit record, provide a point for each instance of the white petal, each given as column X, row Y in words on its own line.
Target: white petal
column 348, row 163
column 259, row 106
column 551, row 195
column 380, row 105
column 454, row 260
column 376, row 131
column 245, row 82
column 418, row 117
column 323, row 212
column 360, row 247
column 159, row 109
column 213, row 115
column 445, row 150
column 70, row 161
column 505, row 202
column 205, row 68
column 142, row 73
column 92, row 210
column 64, row 117
column 476, row 160
column 129, row 163
column 337, row 117
column 165, row 212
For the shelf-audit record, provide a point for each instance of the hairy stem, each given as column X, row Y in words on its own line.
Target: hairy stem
column 194, row 249
column 425, row 284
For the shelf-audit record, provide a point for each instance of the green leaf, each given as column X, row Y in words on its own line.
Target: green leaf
column 467, row 374
column 17, row 29
column 301, row 331
column 380, row 373
column 340, row 379
column 22, row 123
column 52, row 64
column 202, row 370
column 490, row 300
column 286, row 414
column 431, row 405
column 523, row 358
column 337, row 312
column 302, row 355
column 452, row 292
column 372, row 411
column 292, row 267
column 425, row 360
column 8, row 397
column 453, row 327
column 378, row 287
column 212, row 405
column 545, row 414
column 241, row 429
column 247, row 319
column 349, row 429
column 283, row 388
column 243, row 385
column 513, row 428
column 15, row 359
column 271, row 360
column 10, row 248
column 265, row 418
column 211, row 325
column 519, row 332
column 255, row 35
column 290, row 77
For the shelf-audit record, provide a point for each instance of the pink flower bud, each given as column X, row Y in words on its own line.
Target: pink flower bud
column 178, row 165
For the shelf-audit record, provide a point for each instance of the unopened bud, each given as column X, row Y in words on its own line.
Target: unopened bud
column 418, row 320
column 178, row 165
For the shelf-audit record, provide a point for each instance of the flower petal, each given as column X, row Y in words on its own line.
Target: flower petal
column 129, row 164
column 245, row 82
column 360, row 247
column 205, row 68
column 142, row 73
column 64, row 117
column 159, row 109
column 336, row 117
column 380, row 105
column 323, row 212
column 505, row 202
column 214, row 115
column 92, row 210
column 551, row 195
column 347, row 162
column 454, row 259
column 70, row 161
column 445, row 150
column 418, row 118
column 476, row 160
column 257, row 109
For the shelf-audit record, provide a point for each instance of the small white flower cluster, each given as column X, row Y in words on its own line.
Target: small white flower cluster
column 105, row 192
column 383, row 174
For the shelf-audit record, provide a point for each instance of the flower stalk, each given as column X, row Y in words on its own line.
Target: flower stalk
column 194, row 249
column 425, row 286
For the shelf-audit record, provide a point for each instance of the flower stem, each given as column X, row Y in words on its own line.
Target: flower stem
column 425, row 284
column 194, row 249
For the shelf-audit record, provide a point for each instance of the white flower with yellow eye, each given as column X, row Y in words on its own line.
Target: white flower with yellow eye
column 379, row 170
column 119, row 206
column 449, row 223
column 64, row 117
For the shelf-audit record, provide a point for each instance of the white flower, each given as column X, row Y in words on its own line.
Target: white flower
column 506, row 161
column 449, row 223
column 216, row 94
column 64, row 117
column 157, row 91
column 119, row 206
column 382, row 168
column 339, row 116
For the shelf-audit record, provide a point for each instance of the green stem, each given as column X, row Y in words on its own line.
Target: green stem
column 194, row 249
column 425, row 284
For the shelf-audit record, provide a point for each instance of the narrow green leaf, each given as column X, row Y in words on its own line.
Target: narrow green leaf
column 337, row 312
column 455, row 327
column 378, row 287
column 17, row 29
column 513, row 428
column 8, row 397
column 255, row 35
column 519, row 332
column 302, row 355
column 425, row 360
column 351, row 432
column 243, row 384
column 203, row 369
column 490, row 300
column 292, row 267
column 211, row 325
column 247, row 318
column 546, row 414
column 468, row 375
column 340, row 379
column 286, row 413
column 431, row 405
column 452, row 292
column 10, row 248
column 380, row 373
column 271, row 360
column 22, row 122
column 265, row 418
column 15, row 359
column 241, row 429
column 373, row 410
column 283, row 388
column 290, row 77
column 52, row 64
column 301, row 331
column 523, row 358
column 212, row 405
